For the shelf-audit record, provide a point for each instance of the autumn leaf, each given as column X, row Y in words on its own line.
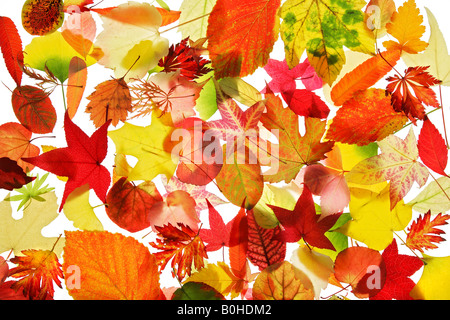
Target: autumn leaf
column 198, row 10
column 11, row 175
column 197, row 291
column 295, row 150
column 366, row 117
column 11, row 46
column 34, row 109
column 105, row 275
column 396, row 163
column 131, row 38
column 406, row 26
column 362, row 268
column 111, row 100
column 364, row 76
column 79, row 30
column 373, row 221
column 80, row 161
column 435, row 55
column 181, row 245
column 42, row 17
column 424, row 231
column 218, row 234
column 25, row 233
column 303, row 223
column 280, row 282
column 434, row 197
column 241, row 36
column 323, row 28
column 15, row 143
column 129, row 204
column 151, row 145
column 76, row 85
column 239, row 243
column 264, row 249
column 434, row 279
column 306, row 104
column 432, row 148
column 378, row 14
column 403, row 98
column 36, row 271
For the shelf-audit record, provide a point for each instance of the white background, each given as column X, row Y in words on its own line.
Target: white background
column 98, row 74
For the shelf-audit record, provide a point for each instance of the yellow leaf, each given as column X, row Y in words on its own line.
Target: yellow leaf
column 25, row 233
column 112, row 266
column 219, row 277
column 130, row 37
column 435, row 56
column 315, row 266
column 435, row 279
column 406, row 26
column 373, row 222
column 78, row 209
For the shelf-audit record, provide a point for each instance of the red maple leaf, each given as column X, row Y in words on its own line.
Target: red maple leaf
column 410, row 102
column 182, row 57
column 399, row 268
column 218, row 236
column 303, row 222
column 80, row 161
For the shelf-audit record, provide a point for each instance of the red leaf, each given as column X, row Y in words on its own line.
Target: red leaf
column 129, row 205
column 263, row 247
column 432, row 148
column 80, row 161
column 403, row 98
column 399, row 268
column 303, row 222
column 34, row 109
column 239, row 244
column 11, row 46
column 423, row 231
column 306, row 103
column 218, row 235
column 12, row 176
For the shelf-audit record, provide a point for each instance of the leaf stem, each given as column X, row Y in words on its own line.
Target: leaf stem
column 186, row 22
column 443, row 117
column 64, row 96
column 443, row 190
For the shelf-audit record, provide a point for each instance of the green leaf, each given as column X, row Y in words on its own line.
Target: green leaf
column 323, row 28
column 31, row 191
column 197, row 291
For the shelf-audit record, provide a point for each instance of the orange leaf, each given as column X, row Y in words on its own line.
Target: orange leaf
column 406, row 26
column 79, row 31
column 183, row 246
column 364, row 76
column 111, row 267
column 168, row 17
column 365, row 118
column 76, row 85
column 423, row 231
column 15, row 144
column 38, row 269
column 239, row 244
column 241, row 35
column 281, row 281
column 110, row 100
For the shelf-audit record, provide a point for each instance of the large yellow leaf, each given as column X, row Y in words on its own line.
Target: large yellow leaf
column 25, row 233
column 130, row 38
column 373, row 222
column 435, row 56
column 406, row 26
column 435, row 279
column 151, row 145
column 112, row 266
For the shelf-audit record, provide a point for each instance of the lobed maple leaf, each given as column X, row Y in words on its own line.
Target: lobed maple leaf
column 423, row 232
column 411, row 102
column 218, row 236
column 181, row 245
column 80, row 161
column 36, row 271
column 181, row 56
column 399, row 267
column 303, row 223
